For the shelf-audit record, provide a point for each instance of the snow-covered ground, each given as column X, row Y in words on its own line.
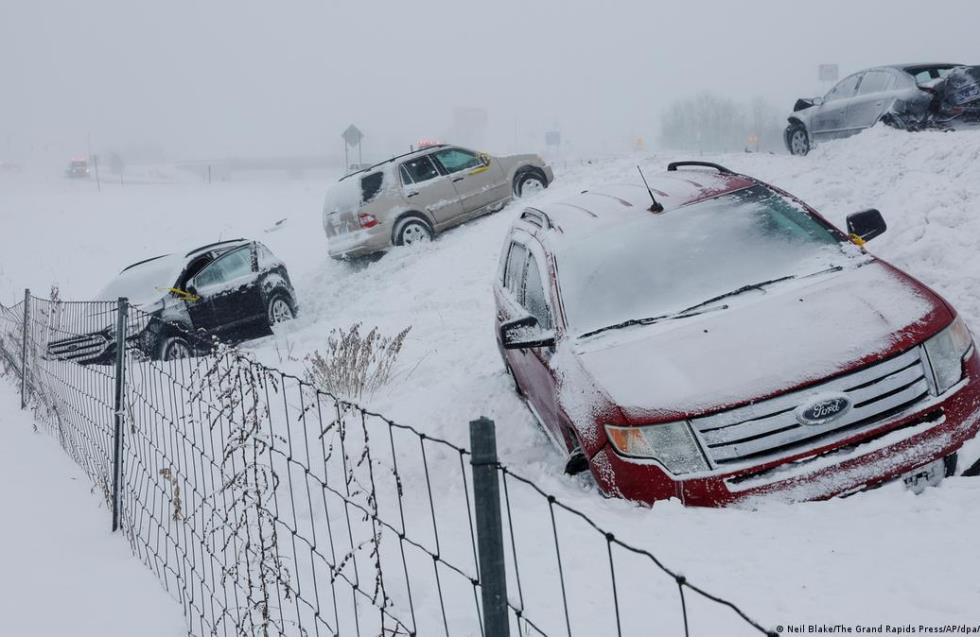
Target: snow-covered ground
column 884, row 556
column 64, row 573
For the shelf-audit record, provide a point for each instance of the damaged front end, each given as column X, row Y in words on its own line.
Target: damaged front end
column 957, row 99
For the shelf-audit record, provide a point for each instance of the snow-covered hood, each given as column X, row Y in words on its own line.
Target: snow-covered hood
column 764, row 344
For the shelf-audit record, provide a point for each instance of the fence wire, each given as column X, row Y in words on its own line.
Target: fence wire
column 267, row 506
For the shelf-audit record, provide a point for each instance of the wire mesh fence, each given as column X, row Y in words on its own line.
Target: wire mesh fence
column 268, row 506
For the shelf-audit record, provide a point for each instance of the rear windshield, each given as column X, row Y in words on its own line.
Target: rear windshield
column 660, row 264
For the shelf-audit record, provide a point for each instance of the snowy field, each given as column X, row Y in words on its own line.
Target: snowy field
column 885, row 556
column 63, row 573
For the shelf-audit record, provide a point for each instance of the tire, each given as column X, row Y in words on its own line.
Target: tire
column 412, row 231
column 279, row 309
column 530, row 183
column 894, row 120
column 174, row 348
column 797, row 139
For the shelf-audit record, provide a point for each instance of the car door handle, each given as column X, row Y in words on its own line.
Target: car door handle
column 458, row 179
column 412, row 194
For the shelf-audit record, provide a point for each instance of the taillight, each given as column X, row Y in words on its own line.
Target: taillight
column 367, row 221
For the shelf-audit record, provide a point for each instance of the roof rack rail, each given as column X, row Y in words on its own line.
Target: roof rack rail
column 133, row 265
column 537, row 218
column 213, row 245
column 389, row 160
column 674, row 165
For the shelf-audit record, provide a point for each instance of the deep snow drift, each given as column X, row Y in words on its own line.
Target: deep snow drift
column 884, row 556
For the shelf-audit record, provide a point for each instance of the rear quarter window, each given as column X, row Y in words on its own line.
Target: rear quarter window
column 371, row 186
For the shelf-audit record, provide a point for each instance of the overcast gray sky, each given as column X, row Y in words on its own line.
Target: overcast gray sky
column 208, row 78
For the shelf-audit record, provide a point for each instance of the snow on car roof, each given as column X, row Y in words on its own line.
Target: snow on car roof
column 227, row 245
column 418, row 151
column 617, row 203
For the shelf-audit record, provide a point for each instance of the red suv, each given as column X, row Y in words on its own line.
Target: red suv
column 712, row 338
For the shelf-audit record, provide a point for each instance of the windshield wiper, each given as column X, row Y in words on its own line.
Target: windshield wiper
column 759, row 286
column 654, row 319
column 696, row 309
column 737, row 291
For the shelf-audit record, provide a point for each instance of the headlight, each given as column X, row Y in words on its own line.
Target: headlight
column 672, row 444
column 946, row 351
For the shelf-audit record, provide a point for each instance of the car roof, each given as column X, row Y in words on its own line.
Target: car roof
column 913, row 69
column 590, row 210
column 413, row 153
column 221, row 246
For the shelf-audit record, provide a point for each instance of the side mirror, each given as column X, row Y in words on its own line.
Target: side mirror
column 485, row 158
column 818, row 101
column 525, row 333
column 865, row 225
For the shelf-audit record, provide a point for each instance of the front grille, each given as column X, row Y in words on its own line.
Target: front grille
column 78, row 348
column 770, row 428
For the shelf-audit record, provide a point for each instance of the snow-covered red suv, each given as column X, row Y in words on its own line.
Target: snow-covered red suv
column 714, row 339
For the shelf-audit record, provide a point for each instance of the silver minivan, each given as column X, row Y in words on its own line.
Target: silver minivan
column 411, row 198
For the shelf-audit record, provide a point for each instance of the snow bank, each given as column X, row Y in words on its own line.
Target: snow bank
column 65, row 573
column 880, row 556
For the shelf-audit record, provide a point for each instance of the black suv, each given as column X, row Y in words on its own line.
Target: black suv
column 232, row 290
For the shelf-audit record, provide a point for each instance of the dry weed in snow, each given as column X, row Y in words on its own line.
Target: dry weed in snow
column 353, row 365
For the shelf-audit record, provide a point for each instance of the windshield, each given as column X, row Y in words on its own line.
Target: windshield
column 659, row 264
column 146, row 281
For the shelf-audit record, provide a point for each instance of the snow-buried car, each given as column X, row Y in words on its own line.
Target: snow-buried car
column 231, row 290
column 907, row 96
column 715, row 339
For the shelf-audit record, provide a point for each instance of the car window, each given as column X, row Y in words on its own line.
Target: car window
column 457, row 159
column 845, row 88
column 371, row 186
column 514, row 271
column 875, row 82
column 228, row 268
column 417, row 170
column 535, row 300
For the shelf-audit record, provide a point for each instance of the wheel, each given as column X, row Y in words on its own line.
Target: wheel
column 175, row 348
column 797, row 139
column 530, row 183
column 411, row 231
column 279, row 309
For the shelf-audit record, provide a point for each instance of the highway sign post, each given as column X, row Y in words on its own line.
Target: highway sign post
column 352, row 137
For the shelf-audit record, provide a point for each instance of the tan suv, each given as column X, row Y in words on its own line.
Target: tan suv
column 410, row 198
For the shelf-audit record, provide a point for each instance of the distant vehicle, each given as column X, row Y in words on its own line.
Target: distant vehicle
column 77, row 169
column 907, row 96
column 410, row 198
column 730, row 344
column 229, row 290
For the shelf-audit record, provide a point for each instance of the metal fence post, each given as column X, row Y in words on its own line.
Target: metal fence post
column 122, row 306
column 23, row 350
column 489, row 528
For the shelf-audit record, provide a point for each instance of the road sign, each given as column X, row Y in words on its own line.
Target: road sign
column 828, row 72
column 353, row 135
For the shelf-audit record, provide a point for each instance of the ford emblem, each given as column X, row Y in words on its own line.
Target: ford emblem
column 823, row 409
